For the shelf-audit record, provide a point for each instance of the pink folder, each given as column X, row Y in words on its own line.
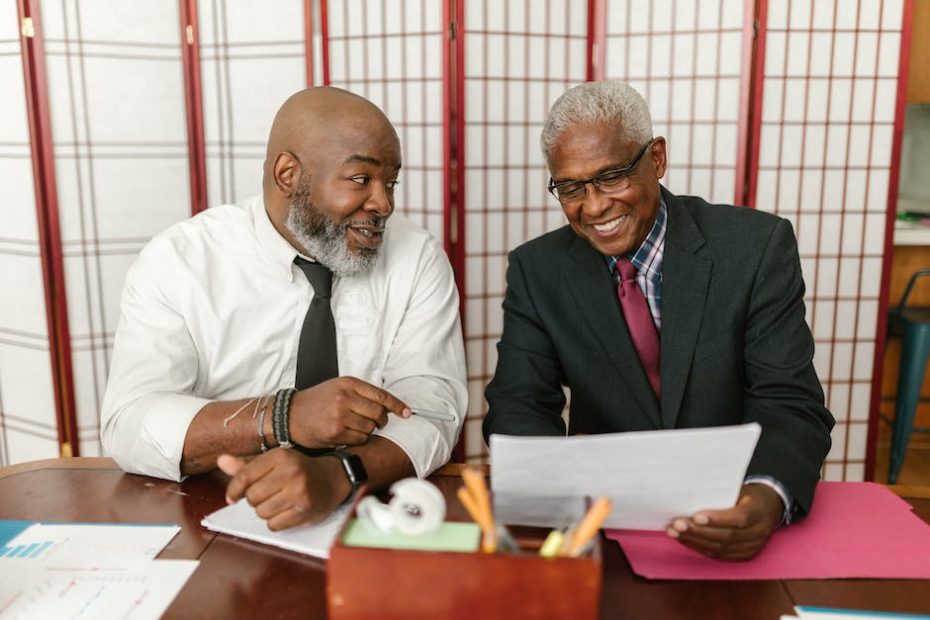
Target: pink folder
column 855, row 529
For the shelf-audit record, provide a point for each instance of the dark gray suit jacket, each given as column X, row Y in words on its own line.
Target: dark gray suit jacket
column 734, row 344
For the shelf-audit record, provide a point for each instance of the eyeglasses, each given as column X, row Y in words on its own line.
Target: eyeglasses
column 611, row 181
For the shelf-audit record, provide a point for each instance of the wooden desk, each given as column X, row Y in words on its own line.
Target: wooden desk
column 241, row 579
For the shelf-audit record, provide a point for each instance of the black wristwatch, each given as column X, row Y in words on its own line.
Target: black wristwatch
column 353, row 466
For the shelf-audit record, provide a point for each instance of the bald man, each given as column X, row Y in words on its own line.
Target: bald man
column 215, row 317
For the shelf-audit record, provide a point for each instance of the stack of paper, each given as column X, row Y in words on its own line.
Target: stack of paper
column 240, row 520
column 650, row 476
column 87, row 570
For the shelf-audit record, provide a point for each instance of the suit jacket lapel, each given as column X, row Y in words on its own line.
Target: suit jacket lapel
column 585, row 275
column 685, row 279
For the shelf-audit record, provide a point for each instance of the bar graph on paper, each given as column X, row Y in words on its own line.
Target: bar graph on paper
column 30, row 551
column 83, row 545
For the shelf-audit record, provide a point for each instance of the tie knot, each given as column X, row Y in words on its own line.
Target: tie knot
column 321, row 278
column 626, row 269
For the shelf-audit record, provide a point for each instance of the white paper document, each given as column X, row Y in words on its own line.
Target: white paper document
column 140, row 592
column 240, row 520
column 86, row 545
column 89, row 570
column 650, row 476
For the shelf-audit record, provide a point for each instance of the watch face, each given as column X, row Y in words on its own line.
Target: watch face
column 354, row 467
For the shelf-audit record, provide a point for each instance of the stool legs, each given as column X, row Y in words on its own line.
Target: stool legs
column 915, row 350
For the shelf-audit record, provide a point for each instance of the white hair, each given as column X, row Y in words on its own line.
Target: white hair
column 614, row 103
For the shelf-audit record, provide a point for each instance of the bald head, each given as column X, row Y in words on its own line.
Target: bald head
column 316, row 114
column 313, row 119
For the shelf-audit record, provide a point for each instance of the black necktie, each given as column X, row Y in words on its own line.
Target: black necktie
column 316, row 353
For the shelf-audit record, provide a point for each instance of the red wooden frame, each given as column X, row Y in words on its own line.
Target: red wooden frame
column 49, row 229
column 597, row 37
column 324, row 35
column 308, row 40
column 457, row 192
column 882, row 327
column 193, row 102
column 748, row 132
column 453, row 129
column 749, row 150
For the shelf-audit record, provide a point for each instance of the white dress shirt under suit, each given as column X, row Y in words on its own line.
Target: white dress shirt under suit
column 212, row 310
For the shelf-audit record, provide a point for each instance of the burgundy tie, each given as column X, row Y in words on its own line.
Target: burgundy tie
column 639, row 321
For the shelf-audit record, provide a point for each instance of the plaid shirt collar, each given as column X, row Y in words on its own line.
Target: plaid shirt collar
column 648, row 257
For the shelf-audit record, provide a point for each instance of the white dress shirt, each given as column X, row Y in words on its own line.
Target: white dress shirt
column 212, row 310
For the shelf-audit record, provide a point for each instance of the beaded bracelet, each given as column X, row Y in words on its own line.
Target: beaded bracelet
column 279, row 420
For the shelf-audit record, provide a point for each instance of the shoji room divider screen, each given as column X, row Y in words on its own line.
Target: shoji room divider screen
column 136, row 115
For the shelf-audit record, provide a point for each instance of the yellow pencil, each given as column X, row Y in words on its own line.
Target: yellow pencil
column 483, row 519
column 478, row 490
column 589, row 525
column 476, row 486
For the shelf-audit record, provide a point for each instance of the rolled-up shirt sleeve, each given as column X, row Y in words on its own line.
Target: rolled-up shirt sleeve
column 425, row 366
column 149, row 402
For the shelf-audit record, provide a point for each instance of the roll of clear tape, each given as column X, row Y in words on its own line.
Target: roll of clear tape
column 417, row 507
column 376, row 512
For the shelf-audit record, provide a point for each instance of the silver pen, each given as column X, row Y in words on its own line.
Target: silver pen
column 434, row 415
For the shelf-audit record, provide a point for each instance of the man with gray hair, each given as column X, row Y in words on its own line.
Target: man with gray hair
column 304, row 318
column 660, row 311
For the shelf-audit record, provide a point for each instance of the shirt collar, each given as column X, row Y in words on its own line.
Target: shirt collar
column 276, row 248
column 648, row 257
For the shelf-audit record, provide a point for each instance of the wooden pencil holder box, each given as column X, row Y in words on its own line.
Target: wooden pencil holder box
column 367, row 582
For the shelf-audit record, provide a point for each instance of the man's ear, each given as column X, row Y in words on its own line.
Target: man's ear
column 658, row 154
column 286, row 173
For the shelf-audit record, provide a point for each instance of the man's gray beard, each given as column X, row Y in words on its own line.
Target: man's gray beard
column 326, row 241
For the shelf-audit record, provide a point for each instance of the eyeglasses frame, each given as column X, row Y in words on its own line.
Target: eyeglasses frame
column 626, row 171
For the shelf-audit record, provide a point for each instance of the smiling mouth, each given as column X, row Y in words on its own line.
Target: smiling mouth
column 610, row 225
column 368, row 234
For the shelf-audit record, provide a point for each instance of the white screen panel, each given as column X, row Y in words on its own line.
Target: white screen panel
column 252, row 58
column 28, row 429
column 684, row 57
column 519, row 57
column 391, row 53
column 825, row 156
column 119, row 133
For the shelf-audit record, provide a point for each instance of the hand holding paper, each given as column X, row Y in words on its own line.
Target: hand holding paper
column 737, row 533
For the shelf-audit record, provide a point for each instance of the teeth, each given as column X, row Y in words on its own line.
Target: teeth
column 608, row 226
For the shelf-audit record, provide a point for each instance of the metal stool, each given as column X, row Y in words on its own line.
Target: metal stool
column 913, row 324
